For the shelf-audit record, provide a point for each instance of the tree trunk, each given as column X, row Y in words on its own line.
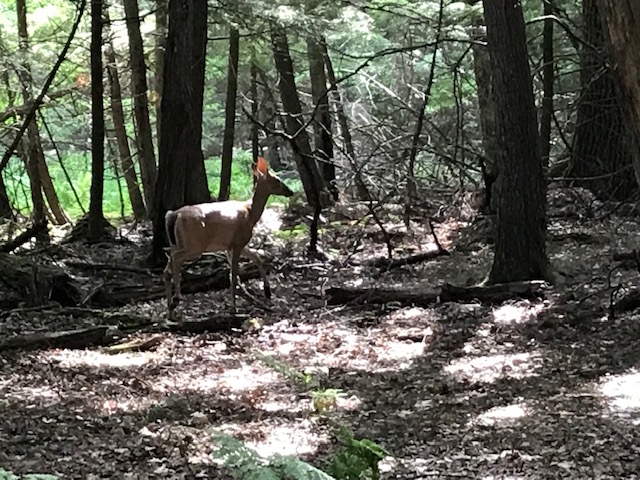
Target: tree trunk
column 124, row 152
column 255, row 140
column 312, row 180
column 49, row 190
column 622, row 20
column 24, row 72
column 181, row 174
column 96, row 217
column 229, row 114
column 547, row 83
column 323, row 141
column 488, row 115
column 6, row 212
column 343, row 124
column 140, row 105
column 520, row 252
column 269, row 112
column 160, row 50
column 600, row 147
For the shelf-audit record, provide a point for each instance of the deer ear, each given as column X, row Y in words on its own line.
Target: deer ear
column 262, row 166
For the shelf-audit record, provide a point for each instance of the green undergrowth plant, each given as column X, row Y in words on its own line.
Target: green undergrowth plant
column 356, row 459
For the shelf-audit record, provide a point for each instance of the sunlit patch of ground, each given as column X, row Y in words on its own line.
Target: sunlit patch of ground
column 522, row 312
column 489, row 368
column 622, row 395
column 283, row 438
column 503, row 416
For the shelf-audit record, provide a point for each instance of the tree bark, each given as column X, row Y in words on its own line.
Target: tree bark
column 160, row 51
column 33, row 154
column 601, row 152
column 488, row 115
column 548, row 72
column 312, row 180
column 343, row 124
column 96, row 228
column 140, row 104
column 255, row 140
column 229, row 114
column 621, row 21
column 520, row 251
column 323, row 141
column 181, row 174
column 5, row 205
column 122, row 141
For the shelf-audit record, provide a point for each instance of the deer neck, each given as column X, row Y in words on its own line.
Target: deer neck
column 257, row 203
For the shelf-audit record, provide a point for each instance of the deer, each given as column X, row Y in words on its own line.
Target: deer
column 227, row 226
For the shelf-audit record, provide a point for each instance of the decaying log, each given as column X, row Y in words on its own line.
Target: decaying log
column 410, row 260
column 24, row 237
column 80, row 338
column 119, row 295
column 340, row 295
column 629, row 302
column 448, row 293
column 633, row 256
column 23, row 282
column 220, row 323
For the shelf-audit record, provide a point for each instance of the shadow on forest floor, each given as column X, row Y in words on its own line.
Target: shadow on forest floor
column 527, row 389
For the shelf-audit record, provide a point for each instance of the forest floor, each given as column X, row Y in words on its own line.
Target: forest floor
column 538, row 388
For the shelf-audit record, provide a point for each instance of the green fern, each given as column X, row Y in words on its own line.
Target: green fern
column 245, row 464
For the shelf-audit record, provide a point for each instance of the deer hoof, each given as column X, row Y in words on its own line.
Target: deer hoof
column 174, row 302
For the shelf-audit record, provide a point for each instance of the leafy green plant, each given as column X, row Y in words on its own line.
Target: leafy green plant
column 284, row 369
column 246, row 464
column 358, row 459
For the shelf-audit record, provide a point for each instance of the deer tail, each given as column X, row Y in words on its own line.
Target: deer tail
column 170, row 223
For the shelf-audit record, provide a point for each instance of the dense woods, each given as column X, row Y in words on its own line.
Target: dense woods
column 443, row 194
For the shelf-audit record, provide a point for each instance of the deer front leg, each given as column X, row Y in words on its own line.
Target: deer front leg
column 251, row 255
column 235, row 259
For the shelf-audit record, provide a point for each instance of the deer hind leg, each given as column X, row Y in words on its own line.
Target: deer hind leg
column 173, row 271
column 251, row 255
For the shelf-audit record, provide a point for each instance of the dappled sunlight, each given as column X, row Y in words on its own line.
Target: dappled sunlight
column 523, row 312
column 489, row 368
column 298, row 438
column 93, row 358
column 42, row 394
column 622, row 394
column 502, row 416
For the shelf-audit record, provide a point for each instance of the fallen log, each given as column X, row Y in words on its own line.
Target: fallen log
column 448, row 293
column 24, row 237
column 80, row 338
column 410, row 260
column 24, row 282
column 110, row 295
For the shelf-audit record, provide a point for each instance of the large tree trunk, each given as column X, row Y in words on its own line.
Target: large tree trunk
column 323, row 141
column 140, row 105
column 96, row 217
column 547, row 83
column 160, row 49
column 520, row 252
column 229, row 114
column 622, row 22
column 181, row 174
column 312, row 180
column 488, row 115
column 124, row 152
column 601, row 152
